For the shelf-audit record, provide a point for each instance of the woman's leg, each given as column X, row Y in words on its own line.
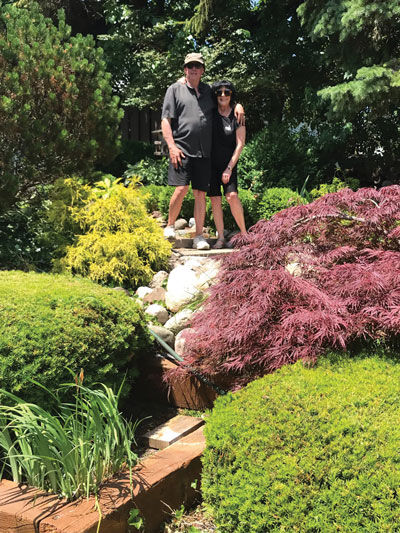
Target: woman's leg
column 216, row 204
column 237, row 210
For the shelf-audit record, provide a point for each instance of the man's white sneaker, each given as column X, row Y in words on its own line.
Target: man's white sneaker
column 169, row 232
column 199, row 243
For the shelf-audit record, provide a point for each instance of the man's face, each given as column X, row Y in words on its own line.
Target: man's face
column 193, row 72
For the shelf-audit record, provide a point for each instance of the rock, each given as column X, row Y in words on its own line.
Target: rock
column 158, row 279
column 166, row 335
column 157, row 294
column 181, row 223
column 179, row 321
column 159, row 312
column 142, row 291
column 121, row 289
column 181, row 339
column 192, row 222
column 186, row 281
column 294, row 269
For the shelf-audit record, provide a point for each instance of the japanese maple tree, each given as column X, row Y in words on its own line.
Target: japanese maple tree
column 314, row 277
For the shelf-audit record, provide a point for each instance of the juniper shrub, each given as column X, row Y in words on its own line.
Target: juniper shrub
column 310, row 450
column 345, row 251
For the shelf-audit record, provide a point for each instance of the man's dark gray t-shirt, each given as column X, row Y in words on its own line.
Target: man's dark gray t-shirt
column 191, row 118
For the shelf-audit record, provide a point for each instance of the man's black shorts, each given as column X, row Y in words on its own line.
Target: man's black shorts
column 216, row 182
column 196, row 170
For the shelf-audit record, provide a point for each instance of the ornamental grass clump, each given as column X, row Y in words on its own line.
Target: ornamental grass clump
column 314, row 277
column 307, row 450
column 70, row 453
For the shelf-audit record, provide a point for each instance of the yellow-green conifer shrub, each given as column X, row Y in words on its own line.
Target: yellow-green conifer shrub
column 121, row 244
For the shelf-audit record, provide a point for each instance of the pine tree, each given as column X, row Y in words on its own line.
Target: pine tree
column 57, row 112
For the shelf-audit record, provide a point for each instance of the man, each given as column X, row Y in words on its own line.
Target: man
column 186, row 123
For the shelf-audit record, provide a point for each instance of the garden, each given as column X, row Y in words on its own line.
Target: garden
column 295, row 333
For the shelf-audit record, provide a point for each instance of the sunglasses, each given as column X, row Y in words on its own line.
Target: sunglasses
column 194, row 65
column 223, row 92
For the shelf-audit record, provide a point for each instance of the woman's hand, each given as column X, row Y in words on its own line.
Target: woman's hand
column 226, row 176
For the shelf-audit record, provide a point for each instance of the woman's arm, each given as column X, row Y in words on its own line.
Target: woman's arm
column 240, row 142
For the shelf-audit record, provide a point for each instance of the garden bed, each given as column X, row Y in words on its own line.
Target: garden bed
column 161, row 483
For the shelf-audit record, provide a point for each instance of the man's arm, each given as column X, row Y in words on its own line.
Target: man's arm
column 175, row 153
column 239, row 114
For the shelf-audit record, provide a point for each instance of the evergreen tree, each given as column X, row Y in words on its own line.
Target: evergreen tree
column 57, row 112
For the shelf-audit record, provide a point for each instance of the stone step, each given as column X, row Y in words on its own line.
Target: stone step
column 186, row 252
column 171, row 431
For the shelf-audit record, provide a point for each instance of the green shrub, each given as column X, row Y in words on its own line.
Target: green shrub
column 275, row 199
column 336, row 185
column 275, row 157
column 51, row 322
column 150, row 171
column 157, row 199
column 310, row 450
column 122, row 244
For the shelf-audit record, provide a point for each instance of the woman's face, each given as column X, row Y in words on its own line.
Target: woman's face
column 223, row 95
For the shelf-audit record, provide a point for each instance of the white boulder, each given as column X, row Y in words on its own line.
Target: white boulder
column 179, row 321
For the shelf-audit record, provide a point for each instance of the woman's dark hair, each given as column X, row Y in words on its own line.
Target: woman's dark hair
column 224, row 83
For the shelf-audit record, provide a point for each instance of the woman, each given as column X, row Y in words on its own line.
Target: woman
column 227, row 143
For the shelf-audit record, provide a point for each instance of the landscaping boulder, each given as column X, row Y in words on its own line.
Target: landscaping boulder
column 142, row 291
column 181, row 223
column 179, row 321
column 166, row 335
column 156, row 295
column 159, row 312
column 181, row 339
column 186, row 281
column 158, row 279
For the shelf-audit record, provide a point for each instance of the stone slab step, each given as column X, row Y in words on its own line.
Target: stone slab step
column 166, row 434
column 202, row 253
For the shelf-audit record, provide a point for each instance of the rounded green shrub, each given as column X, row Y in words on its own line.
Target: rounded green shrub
column 276, row 199
column 52, row 323
column 308, row 450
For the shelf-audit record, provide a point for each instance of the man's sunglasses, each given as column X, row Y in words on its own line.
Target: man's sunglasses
column 194, row 65
column 223, row 92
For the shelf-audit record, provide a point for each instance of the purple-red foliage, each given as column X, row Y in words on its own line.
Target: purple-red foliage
column 259, row 316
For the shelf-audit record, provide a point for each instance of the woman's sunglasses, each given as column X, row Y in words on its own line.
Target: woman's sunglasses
column 223, row 92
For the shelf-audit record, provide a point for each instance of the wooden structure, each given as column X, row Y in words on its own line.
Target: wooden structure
column 144, row 125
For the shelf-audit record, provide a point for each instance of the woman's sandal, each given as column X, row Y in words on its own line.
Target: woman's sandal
column 219, row 244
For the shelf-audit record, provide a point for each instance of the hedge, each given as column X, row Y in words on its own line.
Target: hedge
column 310, row 450
column 50, row 323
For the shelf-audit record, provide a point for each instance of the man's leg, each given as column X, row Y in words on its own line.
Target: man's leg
column 199, row 210
column 175, row 204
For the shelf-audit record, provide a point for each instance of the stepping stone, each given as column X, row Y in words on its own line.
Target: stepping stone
column 173, row 430
column 203, row 253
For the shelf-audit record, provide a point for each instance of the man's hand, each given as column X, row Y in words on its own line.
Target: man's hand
column 176, row 155
column 239, row 114
column 226, row 176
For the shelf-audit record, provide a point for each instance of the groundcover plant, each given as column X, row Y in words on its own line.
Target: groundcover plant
column 317, row 276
